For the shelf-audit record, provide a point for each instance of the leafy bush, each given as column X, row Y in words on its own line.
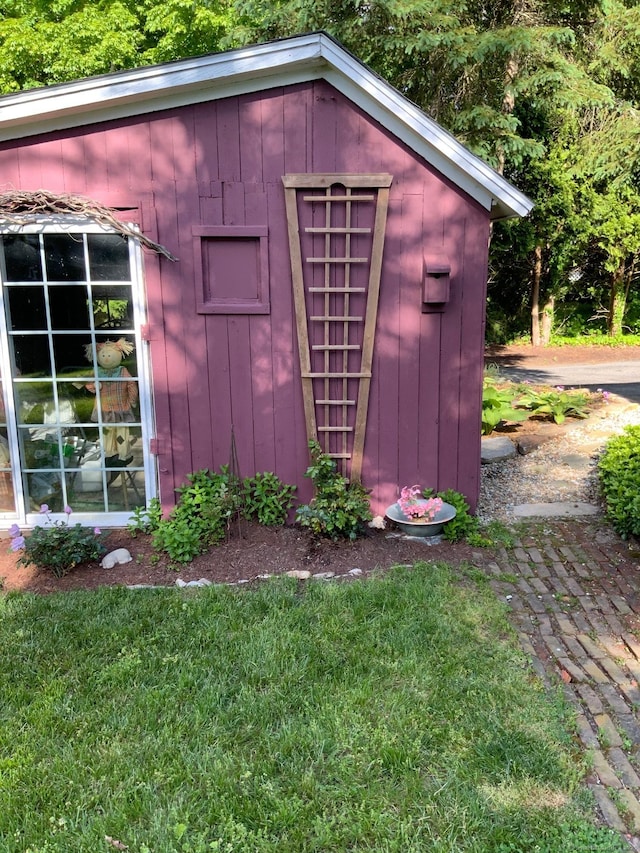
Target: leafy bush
column 498, row 405
column 206, row 506
column 619, row 473
column 467, row 527
column 146, row 519
column 464, row 524
column 339, row 508
column 57, row 545
column 267, row 499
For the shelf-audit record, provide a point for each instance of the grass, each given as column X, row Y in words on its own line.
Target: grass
column 594, row 338
column 396, row 714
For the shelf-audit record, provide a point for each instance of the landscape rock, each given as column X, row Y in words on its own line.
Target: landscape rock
column 300, row 574
column 496, row 449
column 528, row 443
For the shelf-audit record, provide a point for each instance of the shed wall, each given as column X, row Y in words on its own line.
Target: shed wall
column 220, row 164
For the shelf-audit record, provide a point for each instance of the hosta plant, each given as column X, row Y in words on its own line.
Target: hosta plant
column 555, row 404
column 499, row 406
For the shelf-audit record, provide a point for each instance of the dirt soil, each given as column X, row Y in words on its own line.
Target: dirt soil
column 252, row 551
column 526, row 356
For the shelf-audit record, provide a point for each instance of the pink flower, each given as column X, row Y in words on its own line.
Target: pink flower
column 14, row 530
column 68, row 510
column 17, row 543
column 413, row 505
column 97, row 531
column 44, row 509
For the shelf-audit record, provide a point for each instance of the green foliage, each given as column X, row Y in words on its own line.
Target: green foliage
column 47, row 42
column 595, row 338
column 619, row 473
column 206, row 505
column 339, row 508
column 464, row 524
column 57, row 545
column 146, row 519
column 493, row 533
column 467, row 527
column 498, row 405
column 555, row 404
column 266, row 498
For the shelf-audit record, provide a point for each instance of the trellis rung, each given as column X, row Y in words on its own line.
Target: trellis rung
column 337, row 290
column 339, row 455
column 338, row 319
column 335, row 347
column 334, row 230
column 335, row 429
column 326, row 375
column 335, row 402
column 337, row 260
column 338, row 197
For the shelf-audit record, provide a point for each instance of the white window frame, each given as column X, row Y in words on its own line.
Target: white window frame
column 64, row 224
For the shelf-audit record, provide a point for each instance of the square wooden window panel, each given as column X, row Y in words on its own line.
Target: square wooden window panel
column 232, row 270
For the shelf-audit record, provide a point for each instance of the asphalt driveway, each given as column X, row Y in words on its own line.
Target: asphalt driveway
column 618, row 377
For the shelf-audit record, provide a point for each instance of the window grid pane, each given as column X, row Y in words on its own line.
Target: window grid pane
column 81, row 434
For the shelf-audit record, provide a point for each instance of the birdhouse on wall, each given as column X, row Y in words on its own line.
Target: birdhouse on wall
column 436, row 281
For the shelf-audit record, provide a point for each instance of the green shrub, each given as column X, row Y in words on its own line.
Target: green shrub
column 619, row 474
column 206, row 505
column 57, row 545
column 464, row 524
column 339, row 508
column 266, row 498
column 467, row 527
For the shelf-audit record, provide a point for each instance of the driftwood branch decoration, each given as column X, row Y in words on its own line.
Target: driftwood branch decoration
column 17, row 203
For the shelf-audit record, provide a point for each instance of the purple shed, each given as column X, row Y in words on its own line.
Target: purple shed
column 264, row 245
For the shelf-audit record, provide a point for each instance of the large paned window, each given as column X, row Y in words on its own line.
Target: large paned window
column 76, row 409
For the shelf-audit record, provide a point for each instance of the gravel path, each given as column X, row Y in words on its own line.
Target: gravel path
column 561, row 469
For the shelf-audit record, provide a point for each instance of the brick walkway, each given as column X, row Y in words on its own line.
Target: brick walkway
column 574, row 592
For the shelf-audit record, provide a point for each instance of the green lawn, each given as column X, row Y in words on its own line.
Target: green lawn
column 395, row 714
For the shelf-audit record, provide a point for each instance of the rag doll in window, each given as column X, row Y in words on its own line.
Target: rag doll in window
column 116, row 396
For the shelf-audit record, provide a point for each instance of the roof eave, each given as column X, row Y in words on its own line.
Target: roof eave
column 274, row 64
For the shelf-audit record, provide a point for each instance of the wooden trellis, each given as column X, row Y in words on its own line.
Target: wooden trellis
column 336, row 289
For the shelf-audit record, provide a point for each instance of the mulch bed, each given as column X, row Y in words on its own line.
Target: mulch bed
column 251, row 550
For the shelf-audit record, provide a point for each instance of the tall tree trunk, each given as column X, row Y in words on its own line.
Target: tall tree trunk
column 535, row 296
column 547, row 320
column 617, row 301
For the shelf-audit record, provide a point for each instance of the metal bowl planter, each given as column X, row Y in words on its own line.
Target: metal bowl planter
column 421, row 526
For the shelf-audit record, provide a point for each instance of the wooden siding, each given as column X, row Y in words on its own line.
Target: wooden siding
column 221, row 164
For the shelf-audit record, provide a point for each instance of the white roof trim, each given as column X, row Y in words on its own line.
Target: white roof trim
column 250, row 69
